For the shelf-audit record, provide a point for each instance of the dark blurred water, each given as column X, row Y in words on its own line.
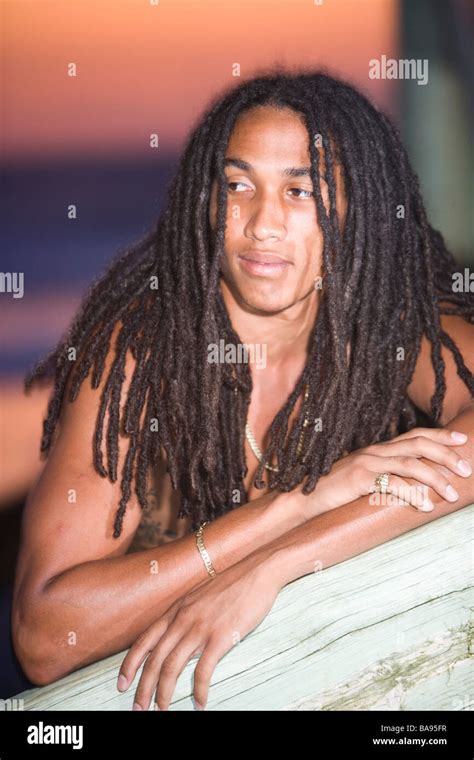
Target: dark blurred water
column 116, row 203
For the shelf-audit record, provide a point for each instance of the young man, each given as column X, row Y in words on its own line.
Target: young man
column 294, row 227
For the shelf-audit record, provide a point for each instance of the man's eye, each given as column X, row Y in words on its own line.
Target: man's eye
column 309, row 193
column 230, row 185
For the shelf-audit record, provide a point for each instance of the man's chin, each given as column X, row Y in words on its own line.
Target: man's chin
column 266, row 299
column 262, row 304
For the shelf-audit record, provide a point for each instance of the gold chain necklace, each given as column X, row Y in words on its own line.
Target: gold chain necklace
column 256, row 450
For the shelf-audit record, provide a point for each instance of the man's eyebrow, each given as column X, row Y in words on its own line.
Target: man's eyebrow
column 291, row 171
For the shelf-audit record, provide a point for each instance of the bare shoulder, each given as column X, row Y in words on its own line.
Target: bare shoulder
column 422, row 387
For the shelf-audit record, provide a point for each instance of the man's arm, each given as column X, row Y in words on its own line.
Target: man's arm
column 342, row 533
column 354, row 528
column 99, row 607
column 78, row 596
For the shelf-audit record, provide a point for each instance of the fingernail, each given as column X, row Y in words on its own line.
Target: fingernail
column 426, row 506
column 122, row 683
column 451, row 493
column 136, row 706
column 197, row 705
column 459, row 437
column 464, row 467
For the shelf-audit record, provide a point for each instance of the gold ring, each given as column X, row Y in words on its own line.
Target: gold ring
column 381, row 483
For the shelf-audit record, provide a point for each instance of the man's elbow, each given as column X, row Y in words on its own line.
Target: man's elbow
column 32, row 646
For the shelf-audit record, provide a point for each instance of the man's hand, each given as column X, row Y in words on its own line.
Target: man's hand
column 353, row 475
column 209, row 620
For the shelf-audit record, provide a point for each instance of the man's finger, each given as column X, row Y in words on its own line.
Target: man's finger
column 214, row 652
column 152, row 668
column 173, row 666
column 137, row 653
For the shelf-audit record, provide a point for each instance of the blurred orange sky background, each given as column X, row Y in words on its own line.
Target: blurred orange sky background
column 145, row 68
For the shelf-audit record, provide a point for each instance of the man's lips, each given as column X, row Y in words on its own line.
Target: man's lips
column 264, row 257
column 264, row 263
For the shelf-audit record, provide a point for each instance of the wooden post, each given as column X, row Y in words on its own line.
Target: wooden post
column 386, row 630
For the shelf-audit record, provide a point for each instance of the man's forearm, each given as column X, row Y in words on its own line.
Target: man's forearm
column 342, row 533
column 100, row 607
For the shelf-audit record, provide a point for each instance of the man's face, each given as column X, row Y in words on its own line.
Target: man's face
column 273, row 244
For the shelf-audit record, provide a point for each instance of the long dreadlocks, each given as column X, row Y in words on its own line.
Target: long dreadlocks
column 386, row 282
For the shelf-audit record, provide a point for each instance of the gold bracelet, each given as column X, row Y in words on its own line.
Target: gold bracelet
column 203, row 552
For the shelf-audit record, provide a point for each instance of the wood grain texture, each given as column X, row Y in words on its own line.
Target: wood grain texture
column 390, row 629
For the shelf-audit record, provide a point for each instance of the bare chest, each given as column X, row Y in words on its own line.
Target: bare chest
column 160, row 523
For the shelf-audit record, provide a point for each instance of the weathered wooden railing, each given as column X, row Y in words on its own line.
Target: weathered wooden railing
column 390, row 629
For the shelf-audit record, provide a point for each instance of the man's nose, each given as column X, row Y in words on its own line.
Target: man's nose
column 266, row 220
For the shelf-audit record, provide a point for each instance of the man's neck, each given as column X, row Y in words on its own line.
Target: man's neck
column 284, row 334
